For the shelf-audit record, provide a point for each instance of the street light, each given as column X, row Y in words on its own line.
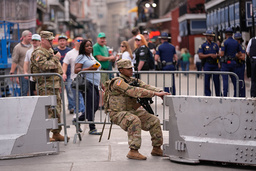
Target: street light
column 147, row 5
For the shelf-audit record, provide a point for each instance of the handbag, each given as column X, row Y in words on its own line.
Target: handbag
column 82, row 82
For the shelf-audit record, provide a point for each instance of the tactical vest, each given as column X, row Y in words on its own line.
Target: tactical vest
column 115, row 100
column 36, row 67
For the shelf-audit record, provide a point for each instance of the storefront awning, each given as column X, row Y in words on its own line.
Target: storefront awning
column 160, row 20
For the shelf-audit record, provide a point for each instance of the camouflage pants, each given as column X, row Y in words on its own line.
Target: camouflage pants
column 133, row 121
column 51, row 113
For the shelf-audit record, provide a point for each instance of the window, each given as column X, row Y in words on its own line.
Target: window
column 231, row 15
column 183, row 28
column 197, row 26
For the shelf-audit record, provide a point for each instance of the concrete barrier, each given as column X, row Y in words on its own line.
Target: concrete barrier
column 211, row 128
column 25, row 126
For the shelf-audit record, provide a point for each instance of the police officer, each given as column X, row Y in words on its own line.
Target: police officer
column 251, row 51
column 208, row 52
column 240, row 65
column 166, row 54
column 229, row 49
column 43, row 60
column 124, row 110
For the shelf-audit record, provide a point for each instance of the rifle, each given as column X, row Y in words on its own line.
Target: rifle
column 54, row 51
column 145, row 102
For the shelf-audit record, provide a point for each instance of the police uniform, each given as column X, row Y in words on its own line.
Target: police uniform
column 166, row 51
column 44, row 61
column 120, row 105
column 142, row 54
column 251, row 50
column 210, row 64
column 228, row 62
column 240, row 69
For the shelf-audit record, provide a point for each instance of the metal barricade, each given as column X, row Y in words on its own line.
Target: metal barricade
column 189, row 85
column 10, row 88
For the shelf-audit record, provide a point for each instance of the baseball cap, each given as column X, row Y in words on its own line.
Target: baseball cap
column 138, row 37
column 36, row 37
column 101, row 34
column 145, row 32
column 62, row 37
column 124, row 63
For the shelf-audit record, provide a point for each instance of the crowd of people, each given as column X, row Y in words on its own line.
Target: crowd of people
column 35, row 54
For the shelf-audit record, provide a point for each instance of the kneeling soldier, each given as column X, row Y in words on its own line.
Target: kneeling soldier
column 123, row 108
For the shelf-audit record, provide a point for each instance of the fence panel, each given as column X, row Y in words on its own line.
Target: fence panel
column 188, row 83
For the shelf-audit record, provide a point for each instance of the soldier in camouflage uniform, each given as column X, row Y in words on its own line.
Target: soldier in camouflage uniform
column 43, row 60
column 123, row 109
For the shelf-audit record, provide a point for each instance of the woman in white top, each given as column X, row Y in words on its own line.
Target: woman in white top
column 127, row 52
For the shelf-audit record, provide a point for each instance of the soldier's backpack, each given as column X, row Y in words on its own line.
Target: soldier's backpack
column 107, row 92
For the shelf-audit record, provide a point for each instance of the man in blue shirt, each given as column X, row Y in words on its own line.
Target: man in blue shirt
column 229, row 49
column 166, row 54
column 63, row 49
column 208, row 52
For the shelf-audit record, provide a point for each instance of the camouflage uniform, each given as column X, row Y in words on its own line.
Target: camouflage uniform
column 121, row 101
column 44, row 61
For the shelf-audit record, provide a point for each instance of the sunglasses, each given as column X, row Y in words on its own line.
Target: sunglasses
column 137, row 40
column 122, row 46
column 79, row 40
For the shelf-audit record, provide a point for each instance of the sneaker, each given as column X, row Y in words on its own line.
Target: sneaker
column 71, row 111
column 94, row 132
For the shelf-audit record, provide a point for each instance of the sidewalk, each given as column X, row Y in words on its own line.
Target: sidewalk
column 108, row 155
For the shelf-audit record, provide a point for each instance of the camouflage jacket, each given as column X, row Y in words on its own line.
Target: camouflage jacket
column 123, row 97
column 44, row 61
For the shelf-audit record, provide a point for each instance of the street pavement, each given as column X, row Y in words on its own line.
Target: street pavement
column 108, row 155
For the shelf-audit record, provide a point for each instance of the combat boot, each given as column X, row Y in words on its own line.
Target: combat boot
column 157, row 151
column 134, row 154
column 58, row 137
